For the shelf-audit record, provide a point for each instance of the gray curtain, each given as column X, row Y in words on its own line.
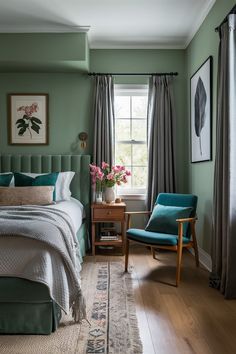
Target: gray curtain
column 224, row 204
column 161, row 138
column 103, row 148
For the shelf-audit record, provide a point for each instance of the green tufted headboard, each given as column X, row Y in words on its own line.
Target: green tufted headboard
column 80, row 186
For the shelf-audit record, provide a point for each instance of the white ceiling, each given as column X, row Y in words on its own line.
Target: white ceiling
column 110, row 23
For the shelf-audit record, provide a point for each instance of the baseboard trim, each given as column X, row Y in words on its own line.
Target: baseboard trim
column 204, row 258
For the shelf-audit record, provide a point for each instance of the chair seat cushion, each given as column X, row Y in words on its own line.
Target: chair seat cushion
column 154, row 238
column 163, row 219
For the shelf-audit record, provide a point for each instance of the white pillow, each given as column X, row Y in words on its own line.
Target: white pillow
column 62, row 184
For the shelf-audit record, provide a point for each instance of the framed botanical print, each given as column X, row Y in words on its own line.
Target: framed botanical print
column 28, row 119
column 201, row 107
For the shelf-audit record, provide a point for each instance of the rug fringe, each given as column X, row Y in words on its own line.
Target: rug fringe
column 79, row 309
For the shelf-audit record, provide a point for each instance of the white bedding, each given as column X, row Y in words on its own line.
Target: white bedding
column 74, row 209
column 53, row 260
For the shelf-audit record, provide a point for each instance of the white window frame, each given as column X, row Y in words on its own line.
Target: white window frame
column 132, row 90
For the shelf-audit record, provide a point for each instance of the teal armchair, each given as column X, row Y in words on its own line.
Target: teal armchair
column 171, row 226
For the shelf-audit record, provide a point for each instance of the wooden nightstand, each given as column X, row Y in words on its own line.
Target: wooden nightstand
column 105, row 213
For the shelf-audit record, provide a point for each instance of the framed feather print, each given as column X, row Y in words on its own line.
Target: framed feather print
column 201, row 110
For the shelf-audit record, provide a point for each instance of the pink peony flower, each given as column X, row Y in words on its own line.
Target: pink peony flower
column 34, row 107
column 106, row 175
column 110, row 176
column 100, row 175
column 104, row 165
column 124, row 179
column 115, row 169
column 93, row 167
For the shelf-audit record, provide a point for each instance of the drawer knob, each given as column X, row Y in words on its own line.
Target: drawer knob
column 109, row 213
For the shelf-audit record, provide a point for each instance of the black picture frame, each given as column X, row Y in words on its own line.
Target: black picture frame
column 201, row 112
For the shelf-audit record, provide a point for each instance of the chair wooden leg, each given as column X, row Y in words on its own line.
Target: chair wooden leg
column 153, row 253
column 179, row 253
column 195, row 245
column 126, row 254
column 178, row 269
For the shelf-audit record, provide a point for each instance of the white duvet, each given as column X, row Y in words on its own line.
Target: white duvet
column 74, row 209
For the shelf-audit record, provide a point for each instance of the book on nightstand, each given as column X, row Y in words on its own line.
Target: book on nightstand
column 108, row 235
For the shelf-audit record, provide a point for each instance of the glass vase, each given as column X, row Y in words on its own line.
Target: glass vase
column 98, row 197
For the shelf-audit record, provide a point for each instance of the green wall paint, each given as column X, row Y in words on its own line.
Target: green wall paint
column 70, row 98
column 148, row 61
column 201, row 175
column 69, row 109
column 44, row 52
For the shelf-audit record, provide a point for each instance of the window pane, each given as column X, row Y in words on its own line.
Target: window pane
column 130, row 126
column 139, row 106
column 139, row 129
column 122, row 106
column 123, row 154
column 139, row 154
column 139, row 177
column 122, row 129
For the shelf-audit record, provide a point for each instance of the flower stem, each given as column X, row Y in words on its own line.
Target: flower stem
column 30, row 132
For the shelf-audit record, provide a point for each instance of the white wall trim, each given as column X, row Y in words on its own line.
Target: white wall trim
column 45, row 29
column 130, row 45
column 204, row 258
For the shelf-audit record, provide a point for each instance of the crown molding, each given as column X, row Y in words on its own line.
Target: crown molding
column 199, row 21
column 45, row 29
column 101, row 45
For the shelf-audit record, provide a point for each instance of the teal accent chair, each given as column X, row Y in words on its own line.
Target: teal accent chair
column 171, row 227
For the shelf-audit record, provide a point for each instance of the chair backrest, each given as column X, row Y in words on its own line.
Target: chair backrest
column 179, row 200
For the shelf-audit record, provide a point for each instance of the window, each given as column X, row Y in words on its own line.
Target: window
column 131, row 136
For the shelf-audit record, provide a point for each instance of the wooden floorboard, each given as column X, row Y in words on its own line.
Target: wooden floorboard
column 192, row 318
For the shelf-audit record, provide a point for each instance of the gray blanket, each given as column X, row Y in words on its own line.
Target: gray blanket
column 45, row 251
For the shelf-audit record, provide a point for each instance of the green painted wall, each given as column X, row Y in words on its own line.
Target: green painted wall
column 201, row 175
column 69, row 109
column 70, row 98
column 44, row 52
column 137, row 60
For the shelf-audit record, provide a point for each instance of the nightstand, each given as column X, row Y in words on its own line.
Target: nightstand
column 108, row 213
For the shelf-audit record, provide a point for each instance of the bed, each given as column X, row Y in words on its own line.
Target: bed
column 25, row 305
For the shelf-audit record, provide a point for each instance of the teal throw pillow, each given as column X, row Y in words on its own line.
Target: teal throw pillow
column 5, row 179
column 50, row 179
column 163, row 219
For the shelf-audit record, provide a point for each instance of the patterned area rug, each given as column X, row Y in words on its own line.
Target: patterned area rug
column 111, row 313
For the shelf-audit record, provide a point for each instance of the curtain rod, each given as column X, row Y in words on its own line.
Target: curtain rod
column 137, row 74
column 232, row 11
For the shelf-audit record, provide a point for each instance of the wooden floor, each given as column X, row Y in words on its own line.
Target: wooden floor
column 190, row 319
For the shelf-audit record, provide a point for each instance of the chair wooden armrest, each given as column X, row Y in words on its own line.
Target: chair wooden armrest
column 130, row 213
column 187, row 219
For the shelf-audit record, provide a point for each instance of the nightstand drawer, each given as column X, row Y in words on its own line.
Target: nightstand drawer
column 108, row 214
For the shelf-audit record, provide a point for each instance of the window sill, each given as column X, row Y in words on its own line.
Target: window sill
column 132, row 196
